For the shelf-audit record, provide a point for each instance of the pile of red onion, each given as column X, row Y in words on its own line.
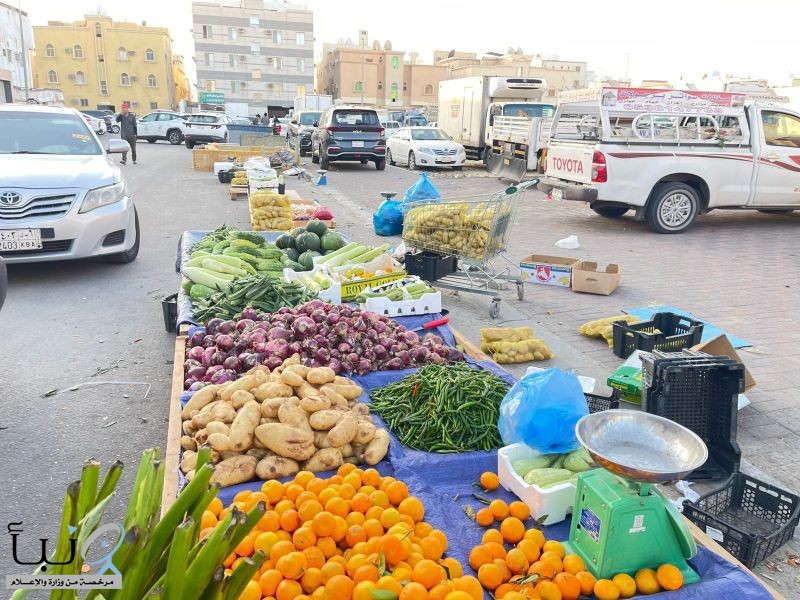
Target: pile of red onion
column 348, row 340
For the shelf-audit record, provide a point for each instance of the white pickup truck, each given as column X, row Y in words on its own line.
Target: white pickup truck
column 671, row 154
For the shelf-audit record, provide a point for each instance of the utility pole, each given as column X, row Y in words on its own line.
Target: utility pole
column 363, row 83
column 23, row 53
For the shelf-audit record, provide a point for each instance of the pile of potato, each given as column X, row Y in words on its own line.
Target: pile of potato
column 270, row 211
column 604, row 328
column 513, row 345
column 274, row 424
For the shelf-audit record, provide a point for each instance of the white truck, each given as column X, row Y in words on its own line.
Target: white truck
column 315, row 102
column 516, row 144
column 673, row 154
column 468, row 107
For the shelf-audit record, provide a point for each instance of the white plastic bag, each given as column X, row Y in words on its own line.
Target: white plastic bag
column 569, row 243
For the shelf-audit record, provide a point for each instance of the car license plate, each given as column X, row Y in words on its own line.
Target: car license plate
column 448, row 160
column 20, row 239
column 358, row 144
column 557, row 194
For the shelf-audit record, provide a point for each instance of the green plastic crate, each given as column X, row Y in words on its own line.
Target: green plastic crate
column 628, row 380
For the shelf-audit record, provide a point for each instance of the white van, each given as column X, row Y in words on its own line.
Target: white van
column 671, row 155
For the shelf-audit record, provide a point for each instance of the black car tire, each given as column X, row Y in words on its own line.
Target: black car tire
column 128, row 255
column 412, row 162
column 389, row 158
column 672, row 208
column 174, row 137
column 115, row 129
column 324, row 163
column 364, row 161
column 380, row 164
column 189, row 144
column 610, row 212
column 151, row 140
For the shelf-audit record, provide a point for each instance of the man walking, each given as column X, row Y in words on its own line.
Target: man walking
column 127, row 131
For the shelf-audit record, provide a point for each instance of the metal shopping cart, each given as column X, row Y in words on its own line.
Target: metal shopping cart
column 474, row 230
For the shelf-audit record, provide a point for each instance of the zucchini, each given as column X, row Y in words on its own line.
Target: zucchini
column 253, row 251
column 186, row 284
column 334, row 254
column 343, row 258
column 197, row 253
column 220, row 246
column 368, row 256
column 206, row 278
column 221, row 267
column 251, row 236
column 242, row 244
column 242, row 256
column 199, row 290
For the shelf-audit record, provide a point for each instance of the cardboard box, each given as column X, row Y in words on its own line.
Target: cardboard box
column 547, row 270
column 721, row 346
column 586, row 278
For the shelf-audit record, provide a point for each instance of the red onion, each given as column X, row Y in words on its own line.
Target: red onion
column 249, row 313
column 261, row 348
column 197, row 338
column 190, row 364
column 208, row 341
column 454, row 354
column 223, row 376
column 436, row 359
column 195, row 353
column 232, row 363
column 224, row 341
column 257, row 337
column 379, row 350
column 318, row 316
column 295, row 348
column 405, row 357
column 207, row 354
column 244, row 324
column 353, row 358
column 196, row 372
column 250, row 361
column 218, row 358
column 273, row 362
column 363, row 366
column 278, row 348
column 211, row 326
column 213, row 369
column 332, row 318
column 279, row 333
column 410, row 337
column 226, row 327
column 322, row 355
column 189, row 382
column 334, row 364
column 379, row 327
column 395, row 364
column 197, row 385
column 304, row 326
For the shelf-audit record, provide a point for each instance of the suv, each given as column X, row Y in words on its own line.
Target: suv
column 107, row 116
column 349, row 133
column 206, row 127
column 61, row 195
column 300, row 130
column 162, row 125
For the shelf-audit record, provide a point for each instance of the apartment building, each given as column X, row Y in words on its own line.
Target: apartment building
column 181, row 90
column 16, row 44
column 101, row 64
column 254, row 52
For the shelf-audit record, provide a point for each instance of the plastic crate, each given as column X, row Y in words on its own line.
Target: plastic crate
column 169, row 306
column 430, row 266
column 598, row 403
column 665, row 331
column 749, row 518
column 652, row 362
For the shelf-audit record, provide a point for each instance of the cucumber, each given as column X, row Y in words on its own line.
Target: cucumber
column 242, row 256
column 199, row 290
column 206, row 278
column 197, row 253
column 343, row 258
column 220, row 246
column 250, row 236
column 243, row 244
column 221, row 267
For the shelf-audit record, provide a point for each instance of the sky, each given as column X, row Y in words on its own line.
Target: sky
column 667, row 40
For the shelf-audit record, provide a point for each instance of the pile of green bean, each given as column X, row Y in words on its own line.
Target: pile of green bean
column 443, row 408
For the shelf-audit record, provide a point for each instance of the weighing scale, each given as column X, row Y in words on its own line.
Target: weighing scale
column 620, row 523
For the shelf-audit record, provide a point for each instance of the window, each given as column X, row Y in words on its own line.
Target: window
column 211, row 85
column 255, row 48
column 151, row 81
column 50, row 51
column 275, row 88
column 209, row 59
column 100, row 58
column 577, row 68
column 77, row 51
column 405, row 86
column 231, row 33
column 84, row 102
column 80, row 78
column 277, row 37
column 122, row 54
column 393, row 92
column 206, row 32
column 301, row 90
column 153, row 105
column 150, row 118
column 300, row 38
column 149, row 55
column 358, row 86
column 428, row 90
column 231, row 60
column 301, row 65
column 235, row 87
column 52, row 77
column 253, row 21
column 355, row 117
column 395, row 62
column 256, row 74
column 781, row 129
column 97, row 31
column 103, row 88
column 278, row 63
column 124, row 79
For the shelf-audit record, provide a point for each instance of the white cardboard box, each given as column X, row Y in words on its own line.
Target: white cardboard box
column 425, row 304
column 547, row 270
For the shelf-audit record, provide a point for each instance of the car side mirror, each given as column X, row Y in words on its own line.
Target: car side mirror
column 118, row 147
column 316, row 124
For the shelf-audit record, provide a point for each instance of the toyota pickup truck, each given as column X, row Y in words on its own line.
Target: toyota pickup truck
column 671, row 155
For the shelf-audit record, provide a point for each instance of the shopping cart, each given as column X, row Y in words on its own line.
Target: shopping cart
column 475, row 230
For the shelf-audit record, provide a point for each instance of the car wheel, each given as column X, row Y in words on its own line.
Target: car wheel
column 364, row 161
column 672, row 208
column 151, row 140
column 115, row 129
column 128, row 255
column 324, row 163
column 101, row 132
column 174, row 137
column 380, row 164
column 412, row 162
column 610, row 212
column 189, row 144
column 389, row 158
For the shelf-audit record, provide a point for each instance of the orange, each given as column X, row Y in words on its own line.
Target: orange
column 669, row 577
column 303, row 538
column 402, row 572
column 215, row 506
column 265, row 541
column 319, row 594
column 355, row 534
column 339, row 528
column 423, row 529
column 387, row 582
column 397, row 491
column 626, row 585
column 323, row 524
column 311, row 580
column 551, row 557
column 490, row 481
column 373, row 528
column 242, row 496
column 392, row 549
column 345, row 469
column 389, row 517
column 605, row 589
column 438, row 533
column 292, row 491
column 569, row 585
column 428, row 573
column 412, row 507
column 316, row 485
column 205, row 532
column 554, row 546
column 254, row 499
column 499, row 509
column 535, row 535
column 270, row 521
column 519, row 510
column 209, row 519
column 512, row 530
column 327, row 546
column 431, row 548
column 505, row 572
column 441, row 591
column 492, row 535
column 573, row 564
column 458, row 595
column 587, row 581
column 303, row 477
column 371, row 477
column 548, row 590
column 454, row 568
column 290, row 520
column 283, row 505
column 339, row 586
column 374, row 512
column 414, row 591
column 308, row 509
column 490, row 576
column 484, row 517
column 354, row 518
column 515, row 595
column 338, row 507
column 471, row 586
column 268, row 582
column 517, row 561
column 288, row 590
column 530, row 549
column 245, row 547
column 280, row 549
column 496, row 550
column 330, row 569
column 292, row 565
column 273, row 490
column 647, row 582
column 325, row 496
column 479, row 556
column 363, row 590
column 543, row 569
column 347, row 491
column 354, row 562
column 380, row 498
column 252, row 591
column 366, row 572
column 314, row 557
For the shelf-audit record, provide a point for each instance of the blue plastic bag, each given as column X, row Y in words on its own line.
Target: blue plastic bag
column 541, row 410
column 388, row 219
column 422, row 190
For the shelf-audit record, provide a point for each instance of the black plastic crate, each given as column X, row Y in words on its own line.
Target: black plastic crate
column 598, row 403
column 430, row 266
column 653, row 362
column 753, row 517
column 675, row 332
column 169, row 306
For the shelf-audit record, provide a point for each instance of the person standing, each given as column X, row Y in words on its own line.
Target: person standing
column 265, row 119
column 128, row 132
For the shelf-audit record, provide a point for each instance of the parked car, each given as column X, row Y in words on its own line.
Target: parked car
column 282, row 128
column 349, row 133
column 97, row 124
column 107, row 116
column 206, row 127
column 61, row 195
column 241, row 121
column 391, row 127
column 300, row 129
column 162, row 125
column 425, row 146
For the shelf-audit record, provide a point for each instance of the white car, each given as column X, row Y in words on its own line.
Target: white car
column 97, row 125
column 61, row 195
column 162, row 125
column 426, row 147
column 206, row 127
column 391, row 128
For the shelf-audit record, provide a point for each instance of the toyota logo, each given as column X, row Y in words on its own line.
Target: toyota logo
column 10, row 198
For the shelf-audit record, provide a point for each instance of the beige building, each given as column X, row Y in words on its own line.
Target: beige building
column 101, row 64
column 181, row 90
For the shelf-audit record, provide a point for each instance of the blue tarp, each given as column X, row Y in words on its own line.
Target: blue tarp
column 710, row 331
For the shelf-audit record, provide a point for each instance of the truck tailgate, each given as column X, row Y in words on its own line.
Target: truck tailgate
column 572, row 162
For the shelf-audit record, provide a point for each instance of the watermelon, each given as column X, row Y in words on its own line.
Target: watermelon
column 307, row 241
column 285, row 241
column 317, row 226
column 331, row 241
column 307, row 259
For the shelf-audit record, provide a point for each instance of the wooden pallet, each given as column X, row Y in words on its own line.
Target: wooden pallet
column 239, row 191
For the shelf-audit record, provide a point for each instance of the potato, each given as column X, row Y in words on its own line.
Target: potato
column 287, row 441
column 321, row 375
column 220, row 442
column 215, row 457
column 294, row 416
column 335, row 397
column 229, row 454
column 322, row 420
column 321, row 439
column 272, row 389
column 344, row 431
column 359, row 408
column 294, row 359
column 365, row 432
column 189, row 461
column 292, row 379
column 346, row 450
column 221, row 412
column 199, row 399
column 305, row 390
column 257, row 442
column 348, row 392
column 240, row 398
column 190, row 475
column 237, row 469
column 200, row 437
column 246, row 383
column 188, row 427
column 217, row 427
column 188, row 443
column 209, row 406
column 261, row 374
column 301, row 370
column 244, row 426
column 312, row 404
column 275, row 467
column 324, row 460
column 353, row 460
column 259, row 453
column 376, row 450
column 269, row 408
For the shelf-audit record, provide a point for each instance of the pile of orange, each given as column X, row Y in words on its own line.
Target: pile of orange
column 342, row 538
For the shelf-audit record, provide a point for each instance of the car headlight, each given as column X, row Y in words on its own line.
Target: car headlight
column 103, row 196
column 461, row 151
column 425, row 150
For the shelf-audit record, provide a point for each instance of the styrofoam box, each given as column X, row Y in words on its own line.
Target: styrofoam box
column 379, row 263
column 556, row 502
column 425, row 304
column 333, row 294
column 222, row 166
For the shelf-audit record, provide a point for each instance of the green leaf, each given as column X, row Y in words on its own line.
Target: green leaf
column 383, row 595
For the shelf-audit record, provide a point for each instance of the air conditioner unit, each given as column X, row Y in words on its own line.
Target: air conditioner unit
column 241, row 30
column 131, row 53
column 243, row 84
column 242, row 57
column 68, row 50
column 134, row 78
column 269, row 33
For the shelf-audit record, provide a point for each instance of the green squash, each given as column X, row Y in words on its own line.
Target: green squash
column 285, row 241
column 317, row 226
column 292, row 254
column 307, row 241
column 331, row 241
column 307, row 259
